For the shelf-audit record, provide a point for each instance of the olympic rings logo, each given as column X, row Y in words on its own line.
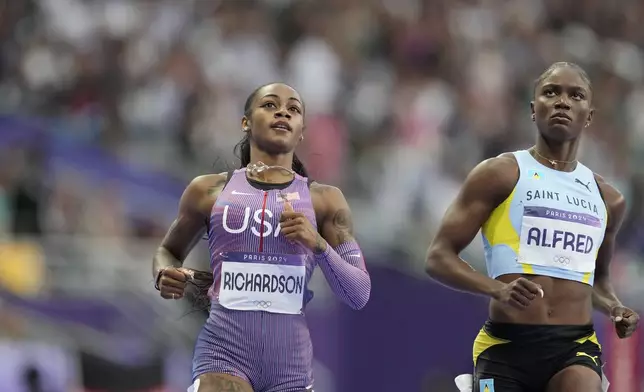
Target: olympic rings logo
column 565, row 260
column 263, row 304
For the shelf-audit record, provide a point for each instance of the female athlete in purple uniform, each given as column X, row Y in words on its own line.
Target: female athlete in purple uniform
column 268, row 227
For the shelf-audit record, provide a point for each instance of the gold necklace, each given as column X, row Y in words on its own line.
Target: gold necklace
column 552, row 162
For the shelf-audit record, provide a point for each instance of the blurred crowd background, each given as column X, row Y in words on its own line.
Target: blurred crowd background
column 110, row 107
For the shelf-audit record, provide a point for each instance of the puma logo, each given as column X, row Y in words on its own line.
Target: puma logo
column 589, row 356
column 587, row 185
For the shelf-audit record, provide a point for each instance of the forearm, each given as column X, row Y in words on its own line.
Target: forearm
column 452, row 271
column 604, row 297
column 164, row 259
column 345, row 270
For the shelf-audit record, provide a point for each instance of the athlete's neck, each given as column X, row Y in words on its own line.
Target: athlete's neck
column 271, row 176
column 558, row 156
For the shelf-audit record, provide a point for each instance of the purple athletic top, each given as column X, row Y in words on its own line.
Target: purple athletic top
column 244, row 229
column 256, row 329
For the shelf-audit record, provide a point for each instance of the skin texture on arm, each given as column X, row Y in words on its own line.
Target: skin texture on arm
column 187, row 229
column 336, row 226
column 487, row 186
column 604, row 297
column 336, row 249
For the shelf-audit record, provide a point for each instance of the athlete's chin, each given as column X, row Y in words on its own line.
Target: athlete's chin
column 560, row 133
column 277, row 145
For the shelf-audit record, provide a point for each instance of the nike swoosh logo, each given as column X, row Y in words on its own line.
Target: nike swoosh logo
column 241, row 193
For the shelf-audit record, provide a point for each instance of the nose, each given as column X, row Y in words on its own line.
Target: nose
column 283, row 113
column 562, row 104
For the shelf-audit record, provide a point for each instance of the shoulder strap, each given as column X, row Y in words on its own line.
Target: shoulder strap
column 521, row 157
column 228, row 177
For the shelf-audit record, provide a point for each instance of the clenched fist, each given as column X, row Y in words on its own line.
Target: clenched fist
column 625, row 320
column 296, row 227
column 519, row 293
column 172, row 282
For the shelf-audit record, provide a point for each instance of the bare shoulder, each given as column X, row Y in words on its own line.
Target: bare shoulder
column 327, row 198
column 202, row 192
column 493, row 177
column 327, row 192
column 502, row 167
column 205, row 183
column 610, row 194
column 613, row 198
column 330, row 206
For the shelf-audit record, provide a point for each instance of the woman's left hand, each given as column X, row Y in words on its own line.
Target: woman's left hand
column 296, row 227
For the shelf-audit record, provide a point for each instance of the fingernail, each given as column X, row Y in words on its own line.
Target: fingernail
column 618, row 319
column 541, row 293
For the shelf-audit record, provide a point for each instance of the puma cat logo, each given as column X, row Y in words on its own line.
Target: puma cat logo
column 580, row 354
column 587, row 185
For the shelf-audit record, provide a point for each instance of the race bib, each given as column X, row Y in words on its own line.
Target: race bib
column 258, row 281
column 558, row 238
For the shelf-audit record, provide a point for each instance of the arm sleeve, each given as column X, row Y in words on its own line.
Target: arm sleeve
column 344, row 268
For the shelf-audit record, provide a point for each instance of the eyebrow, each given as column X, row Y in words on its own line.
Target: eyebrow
column 573, row 87
column 276, row 96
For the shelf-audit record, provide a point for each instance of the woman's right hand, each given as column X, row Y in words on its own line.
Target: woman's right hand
column 172, row 282
column 519, row 293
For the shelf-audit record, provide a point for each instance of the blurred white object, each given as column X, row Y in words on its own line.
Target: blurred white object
column 605, row 383
column 194, row 387
column 464, row 382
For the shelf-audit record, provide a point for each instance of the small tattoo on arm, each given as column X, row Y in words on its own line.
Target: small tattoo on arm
column 343, row 225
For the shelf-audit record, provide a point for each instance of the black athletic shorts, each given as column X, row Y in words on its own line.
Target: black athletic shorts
column 523, row 358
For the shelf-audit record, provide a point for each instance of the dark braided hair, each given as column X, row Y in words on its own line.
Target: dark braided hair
column 563, row 64
column 242, row 149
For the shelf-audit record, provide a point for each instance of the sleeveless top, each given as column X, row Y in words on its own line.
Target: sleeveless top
column 552, row 224
column 256, row 268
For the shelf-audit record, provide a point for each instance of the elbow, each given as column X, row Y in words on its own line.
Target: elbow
column 437, row 263
column 433, row 262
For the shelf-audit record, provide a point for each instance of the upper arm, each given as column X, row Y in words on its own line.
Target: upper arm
column 487, row 185
column 337, row 223
column 616, row 207
column 192, row 219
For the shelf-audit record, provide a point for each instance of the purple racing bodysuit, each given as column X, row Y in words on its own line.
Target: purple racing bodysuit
column 256, row 329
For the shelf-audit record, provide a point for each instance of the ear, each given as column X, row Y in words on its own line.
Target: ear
column 245, row 124
column 591, row 114
column 301, row 139
column 532, row 107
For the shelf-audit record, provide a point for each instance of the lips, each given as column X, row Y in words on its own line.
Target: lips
column 560, row 116
column 282, row 125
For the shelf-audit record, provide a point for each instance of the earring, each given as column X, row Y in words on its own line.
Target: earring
column 534, row 117
column 246, row 129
